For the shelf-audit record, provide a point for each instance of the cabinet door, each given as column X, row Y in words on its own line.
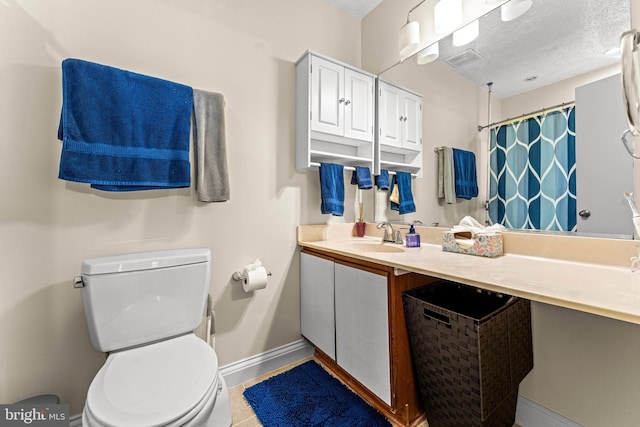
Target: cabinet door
column 389, row 115
column 412, row 122
column 358, row 105
column 317, row 314
column 362, row 328
column 327, row 89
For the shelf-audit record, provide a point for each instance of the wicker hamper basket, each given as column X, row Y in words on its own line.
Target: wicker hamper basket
column 470, row 350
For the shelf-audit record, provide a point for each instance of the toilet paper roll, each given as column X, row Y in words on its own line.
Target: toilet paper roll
column 254, row 279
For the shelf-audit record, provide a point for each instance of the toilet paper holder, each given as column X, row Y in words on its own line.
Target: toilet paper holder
column 241, row 276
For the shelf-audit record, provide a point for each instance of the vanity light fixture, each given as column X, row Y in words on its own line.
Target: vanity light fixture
column 410, row 35
column 428, row 54
column 514, row 8
column 466, row 34
column 409, row 38
column 447, row 15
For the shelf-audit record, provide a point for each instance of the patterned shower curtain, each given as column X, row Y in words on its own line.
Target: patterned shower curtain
column 533, row 173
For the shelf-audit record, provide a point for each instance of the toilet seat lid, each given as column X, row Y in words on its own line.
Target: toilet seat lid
column 153, row 385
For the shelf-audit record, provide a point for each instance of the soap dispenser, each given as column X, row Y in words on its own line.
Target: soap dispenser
column 412, row 239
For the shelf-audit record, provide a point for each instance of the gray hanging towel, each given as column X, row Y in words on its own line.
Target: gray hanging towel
column 446, row 175
column 212, row 173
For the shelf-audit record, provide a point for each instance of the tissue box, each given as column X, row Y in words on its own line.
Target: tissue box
column 486, row 245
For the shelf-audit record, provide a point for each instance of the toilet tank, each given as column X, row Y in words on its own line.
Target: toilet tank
column 140, row 298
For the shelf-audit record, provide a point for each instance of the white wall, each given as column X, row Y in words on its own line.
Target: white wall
column 244, row 49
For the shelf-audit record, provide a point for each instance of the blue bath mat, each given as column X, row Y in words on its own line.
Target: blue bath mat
column 308, row 396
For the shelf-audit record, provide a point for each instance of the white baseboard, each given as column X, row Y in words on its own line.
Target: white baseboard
column 75, row 420
column 246, row 369
column 531, row 414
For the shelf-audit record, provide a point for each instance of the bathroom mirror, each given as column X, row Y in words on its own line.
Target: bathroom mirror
column 553, row 41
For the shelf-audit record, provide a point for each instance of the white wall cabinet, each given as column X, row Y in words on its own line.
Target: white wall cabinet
column 341, row 100
column 399, row 129
column 350, row 307
column 335, row 113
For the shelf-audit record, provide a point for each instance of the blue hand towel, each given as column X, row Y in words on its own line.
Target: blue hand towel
column 362, row 177
column 464, row 165
column 123, row 131
column 403, row 181
column 332, row 188
column 382, row 180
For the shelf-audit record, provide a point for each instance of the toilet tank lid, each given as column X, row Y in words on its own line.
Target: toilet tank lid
column 145, row 261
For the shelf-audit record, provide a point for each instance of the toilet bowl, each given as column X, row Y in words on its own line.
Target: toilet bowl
column 168, row 382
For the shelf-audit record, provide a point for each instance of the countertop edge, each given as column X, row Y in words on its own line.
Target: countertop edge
column 447, row 272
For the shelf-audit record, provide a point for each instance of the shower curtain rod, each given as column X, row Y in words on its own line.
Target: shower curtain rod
column 528, row 115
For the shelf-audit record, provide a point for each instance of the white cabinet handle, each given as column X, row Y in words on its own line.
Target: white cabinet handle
column 341, row 100
column 347, row 102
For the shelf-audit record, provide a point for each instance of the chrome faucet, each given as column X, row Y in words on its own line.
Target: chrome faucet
column 389, row 235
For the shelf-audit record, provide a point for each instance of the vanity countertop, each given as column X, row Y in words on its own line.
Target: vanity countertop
column 592, row 275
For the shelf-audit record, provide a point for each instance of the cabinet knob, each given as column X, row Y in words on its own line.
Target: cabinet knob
column 401, row 118
column 347, row 102
column 341, row 100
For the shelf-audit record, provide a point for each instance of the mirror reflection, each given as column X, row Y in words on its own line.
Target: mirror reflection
column 554, row 44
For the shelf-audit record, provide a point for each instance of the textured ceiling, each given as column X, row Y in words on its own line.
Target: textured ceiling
column 553, row 41
column 358, row 8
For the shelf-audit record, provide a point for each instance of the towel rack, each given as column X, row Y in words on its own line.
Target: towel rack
column 347, row 168
column 352, row 168
column 436, row 149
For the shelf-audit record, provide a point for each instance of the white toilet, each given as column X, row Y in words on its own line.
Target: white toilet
column 142, row 309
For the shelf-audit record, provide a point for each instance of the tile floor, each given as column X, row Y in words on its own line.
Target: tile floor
column 243, row 415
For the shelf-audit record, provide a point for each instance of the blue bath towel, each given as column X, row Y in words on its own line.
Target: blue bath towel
column 403, row 181
column 362, row 177
column 123, row 131
column 382, row 180
column 332, row 188
column 464, row 165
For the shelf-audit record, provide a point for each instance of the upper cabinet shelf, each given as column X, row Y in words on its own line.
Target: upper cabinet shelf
column 334, row 113
column 347, row 116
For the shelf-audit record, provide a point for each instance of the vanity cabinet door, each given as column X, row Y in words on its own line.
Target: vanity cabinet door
column 317, row 322
column 362, row 328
